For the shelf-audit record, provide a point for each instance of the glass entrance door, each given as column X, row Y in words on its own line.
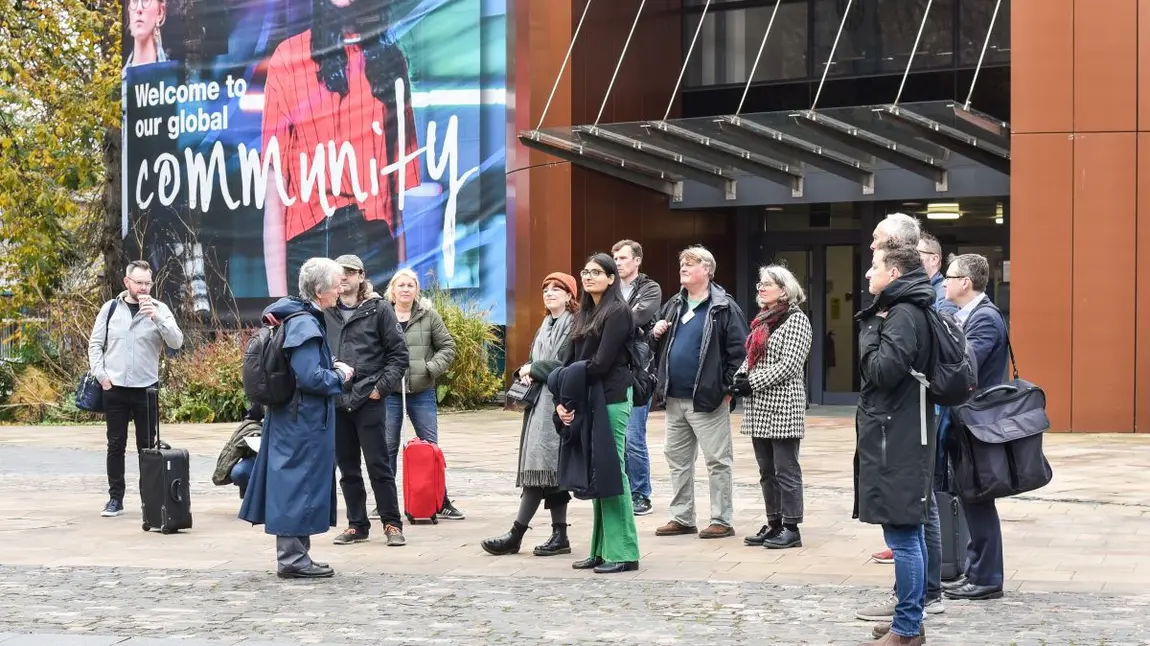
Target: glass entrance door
column 830, row 276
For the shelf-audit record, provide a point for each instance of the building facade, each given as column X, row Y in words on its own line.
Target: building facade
column 999, row 131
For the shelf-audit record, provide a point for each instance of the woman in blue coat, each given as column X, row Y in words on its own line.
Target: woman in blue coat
column 292, row 487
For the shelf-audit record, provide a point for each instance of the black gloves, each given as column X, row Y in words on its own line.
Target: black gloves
column 741, row 387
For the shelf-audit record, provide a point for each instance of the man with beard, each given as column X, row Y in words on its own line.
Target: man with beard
column 337, row 85
column 363, row 332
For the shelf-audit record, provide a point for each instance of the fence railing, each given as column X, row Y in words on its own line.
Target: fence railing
column 12, row 332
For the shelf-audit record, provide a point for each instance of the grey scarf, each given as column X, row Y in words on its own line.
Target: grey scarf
column 539, row 446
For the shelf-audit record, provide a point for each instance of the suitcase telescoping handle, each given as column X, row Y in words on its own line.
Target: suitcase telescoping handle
column 153, row 395
column 402, row 406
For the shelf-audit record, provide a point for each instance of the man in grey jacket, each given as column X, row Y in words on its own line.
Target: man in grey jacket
column 130, row 332
column 644, row 296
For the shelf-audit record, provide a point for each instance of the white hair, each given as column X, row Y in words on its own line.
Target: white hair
column 902, row 229
column 318, row 275
column 793, row 293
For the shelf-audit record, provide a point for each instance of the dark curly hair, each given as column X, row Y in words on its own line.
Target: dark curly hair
column 384, row 61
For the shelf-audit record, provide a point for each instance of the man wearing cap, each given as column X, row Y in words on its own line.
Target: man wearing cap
column 363, row 332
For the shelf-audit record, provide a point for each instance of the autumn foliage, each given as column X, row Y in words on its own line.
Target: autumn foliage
column 59, row 96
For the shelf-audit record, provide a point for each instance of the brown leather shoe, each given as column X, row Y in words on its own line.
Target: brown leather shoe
column 676, row 529
column 715, row 530
column 885, row 637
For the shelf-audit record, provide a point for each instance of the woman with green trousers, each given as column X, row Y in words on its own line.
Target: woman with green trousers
column 602, row 328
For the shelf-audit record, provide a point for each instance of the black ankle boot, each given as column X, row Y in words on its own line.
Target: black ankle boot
column 508, row 543
column 557, row 544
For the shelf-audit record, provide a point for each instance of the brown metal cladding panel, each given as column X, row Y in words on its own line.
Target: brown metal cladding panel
column 538, row 189
column 1142, row 292
column 1040, row 257
column 612, row 210
column 1042, row 66
column 1105, row 193
column 1105, row 65
column 650, row 68
column 1144, row 67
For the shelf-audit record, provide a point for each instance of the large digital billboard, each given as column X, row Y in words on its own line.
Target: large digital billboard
column 260, row 133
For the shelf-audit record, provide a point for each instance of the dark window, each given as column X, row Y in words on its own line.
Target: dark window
column 878, row 36
column 973, row 23
column 729, row 42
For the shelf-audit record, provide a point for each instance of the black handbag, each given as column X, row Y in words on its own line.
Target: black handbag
column 527, row 394
column 90, row 392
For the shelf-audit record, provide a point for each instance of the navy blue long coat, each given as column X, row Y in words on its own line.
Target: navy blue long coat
column 292, row 488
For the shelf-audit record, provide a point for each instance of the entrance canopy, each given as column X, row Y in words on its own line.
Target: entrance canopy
column 877, row 152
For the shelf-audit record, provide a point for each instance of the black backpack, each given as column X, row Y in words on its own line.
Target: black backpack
column 953, row 372
column 268, row 379
column 640, row 358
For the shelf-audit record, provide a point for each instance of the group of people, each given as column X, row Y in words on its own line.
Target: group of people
column 900, row 462
column 357, row 357
column 703, row 357
column 584, row 429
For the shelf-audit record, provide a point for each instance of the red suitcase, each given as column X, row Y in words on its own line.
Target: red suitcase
column 424, row 477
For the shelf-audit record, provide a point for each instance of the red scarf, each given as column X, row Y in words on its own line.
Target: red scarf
column 767, row 321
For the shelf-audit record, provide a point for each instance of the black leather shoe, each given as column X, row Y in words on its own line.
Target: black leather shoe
column 783, row 540
column 508, row 543
column 608, row 567
column 318, row 564
column 587, row 563
column 955, row 584
column 313, row 571
column 765, row 532
column 971, row 592
column 557, row 544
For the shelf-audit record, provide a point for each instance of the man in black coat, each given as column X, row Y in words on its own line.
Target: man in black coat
column 363, row 332
column 895, row 424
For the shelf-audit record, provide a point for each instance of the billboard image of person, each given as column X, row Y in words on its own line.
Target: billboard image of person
column 260, row 133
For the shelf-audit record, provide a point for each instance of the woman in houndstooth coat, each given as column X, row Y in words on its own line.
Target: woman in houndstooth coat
column 772, row 384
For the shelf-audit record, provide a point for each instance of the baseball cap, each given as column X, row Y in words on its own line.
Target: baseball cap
column 350, row 262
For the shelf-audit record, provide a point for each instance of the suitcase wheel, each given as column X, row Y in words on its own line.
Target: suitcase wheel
column 147, row 527
column 434, row 520
column 167, row 530
column 410, row 518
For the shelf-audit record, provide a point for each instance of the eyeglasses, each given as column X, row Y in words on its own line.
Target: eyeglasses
column 142, row 283
column 591, row 273
column 136, row 4
column 954, row 277
column 764, row 285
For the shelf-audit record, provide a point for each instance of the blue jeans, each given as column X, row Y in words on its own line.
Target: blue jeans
column 242, row 472
column 421, row 410
column 933, row 532
column 908, row 542
column 638, row 462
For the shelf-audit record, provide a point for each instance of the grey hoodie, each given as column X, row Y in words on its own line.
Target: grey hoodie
column 132, row 356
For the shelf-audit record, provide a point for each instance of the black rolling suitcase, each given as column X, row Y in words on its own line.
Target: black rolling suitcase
column 955, row 535
column 164, row 483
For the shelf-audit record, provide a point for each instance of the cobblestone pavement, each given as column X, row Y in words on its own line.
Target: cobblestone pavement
column 1075, row 555
column 360, row 608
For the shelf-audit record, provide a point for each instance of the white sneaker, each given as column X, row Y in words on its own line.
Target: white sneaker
column 935, row 607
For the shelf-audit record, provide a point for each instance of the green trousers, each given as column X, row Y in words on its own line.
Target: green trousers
column 613, row 535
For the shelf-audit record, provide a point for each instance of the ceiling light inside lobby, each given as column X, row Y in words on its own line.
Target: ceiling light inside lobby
column 943, row 211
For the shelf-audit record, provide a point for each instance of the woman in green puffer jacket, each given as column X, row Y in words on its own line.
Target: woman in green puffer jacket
column 431, row 351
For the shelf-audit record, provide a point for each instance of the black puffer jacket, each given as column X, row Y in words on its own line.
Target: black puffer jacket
column 894, row 423
column 723, row 351
column 371, row 342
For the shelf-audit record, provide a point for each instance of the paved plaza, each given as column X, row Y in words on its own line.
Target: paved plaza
column 1076, row 558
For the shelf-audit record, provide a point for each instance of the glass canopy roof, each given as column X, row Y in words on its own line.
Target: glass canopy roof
column 853, row 145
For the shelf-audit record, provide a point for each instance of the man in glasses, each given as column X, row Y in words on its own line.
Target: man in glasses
column 985, row 329
column 930, row 251
column 130, row 332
